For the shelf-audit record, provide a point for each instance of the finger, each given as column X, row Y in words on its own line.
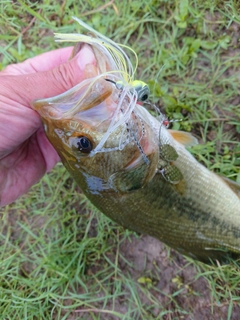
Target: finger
column 40, row 63
column 48, row 152
column 25, row 88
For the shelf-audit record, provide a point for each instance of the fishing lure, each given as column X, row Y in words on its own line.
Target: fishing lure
column 139, row 86
column 122, row 67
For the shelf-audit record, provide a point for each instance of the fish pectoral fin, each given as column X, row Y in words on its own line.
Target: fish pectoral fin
column 129, row 179
column 184, row 138
column 233, row 185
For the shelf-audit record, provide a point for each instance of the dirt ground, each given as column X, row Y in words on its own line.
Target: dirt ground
column 148, row 253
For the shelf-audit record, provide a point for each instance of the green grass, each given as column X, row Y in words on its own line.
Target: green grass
column 59, row 257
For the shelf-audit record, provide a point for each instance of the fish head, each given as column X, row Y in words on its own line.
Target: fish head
column 102, row 135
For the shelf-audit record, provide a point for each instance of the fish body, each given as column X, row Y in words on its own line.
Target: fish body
column 139, row 173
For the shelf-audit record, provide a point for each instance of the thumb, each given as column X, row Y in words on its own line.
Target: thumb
column 27, row 87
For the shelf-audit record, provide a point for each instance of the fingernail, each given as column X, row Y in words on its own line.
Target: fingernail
column 85, row 57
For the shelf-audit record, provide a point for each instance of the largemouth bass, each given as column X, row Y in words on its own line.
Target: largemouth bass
column 132, row 167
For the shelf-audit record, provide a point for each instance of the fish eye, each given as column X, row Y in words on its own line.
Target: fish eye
column 83, row 144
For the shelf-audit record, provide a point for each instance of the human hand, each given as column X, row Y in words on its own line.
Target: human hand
column 25, row 153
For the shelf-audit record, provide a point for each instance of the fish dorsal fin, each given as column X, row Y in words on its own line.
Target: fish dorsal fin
column 233, row 185
column 184, row 138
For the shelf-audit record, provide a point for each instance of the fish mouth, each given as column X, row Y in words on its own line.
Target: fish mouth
column 85, row 96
